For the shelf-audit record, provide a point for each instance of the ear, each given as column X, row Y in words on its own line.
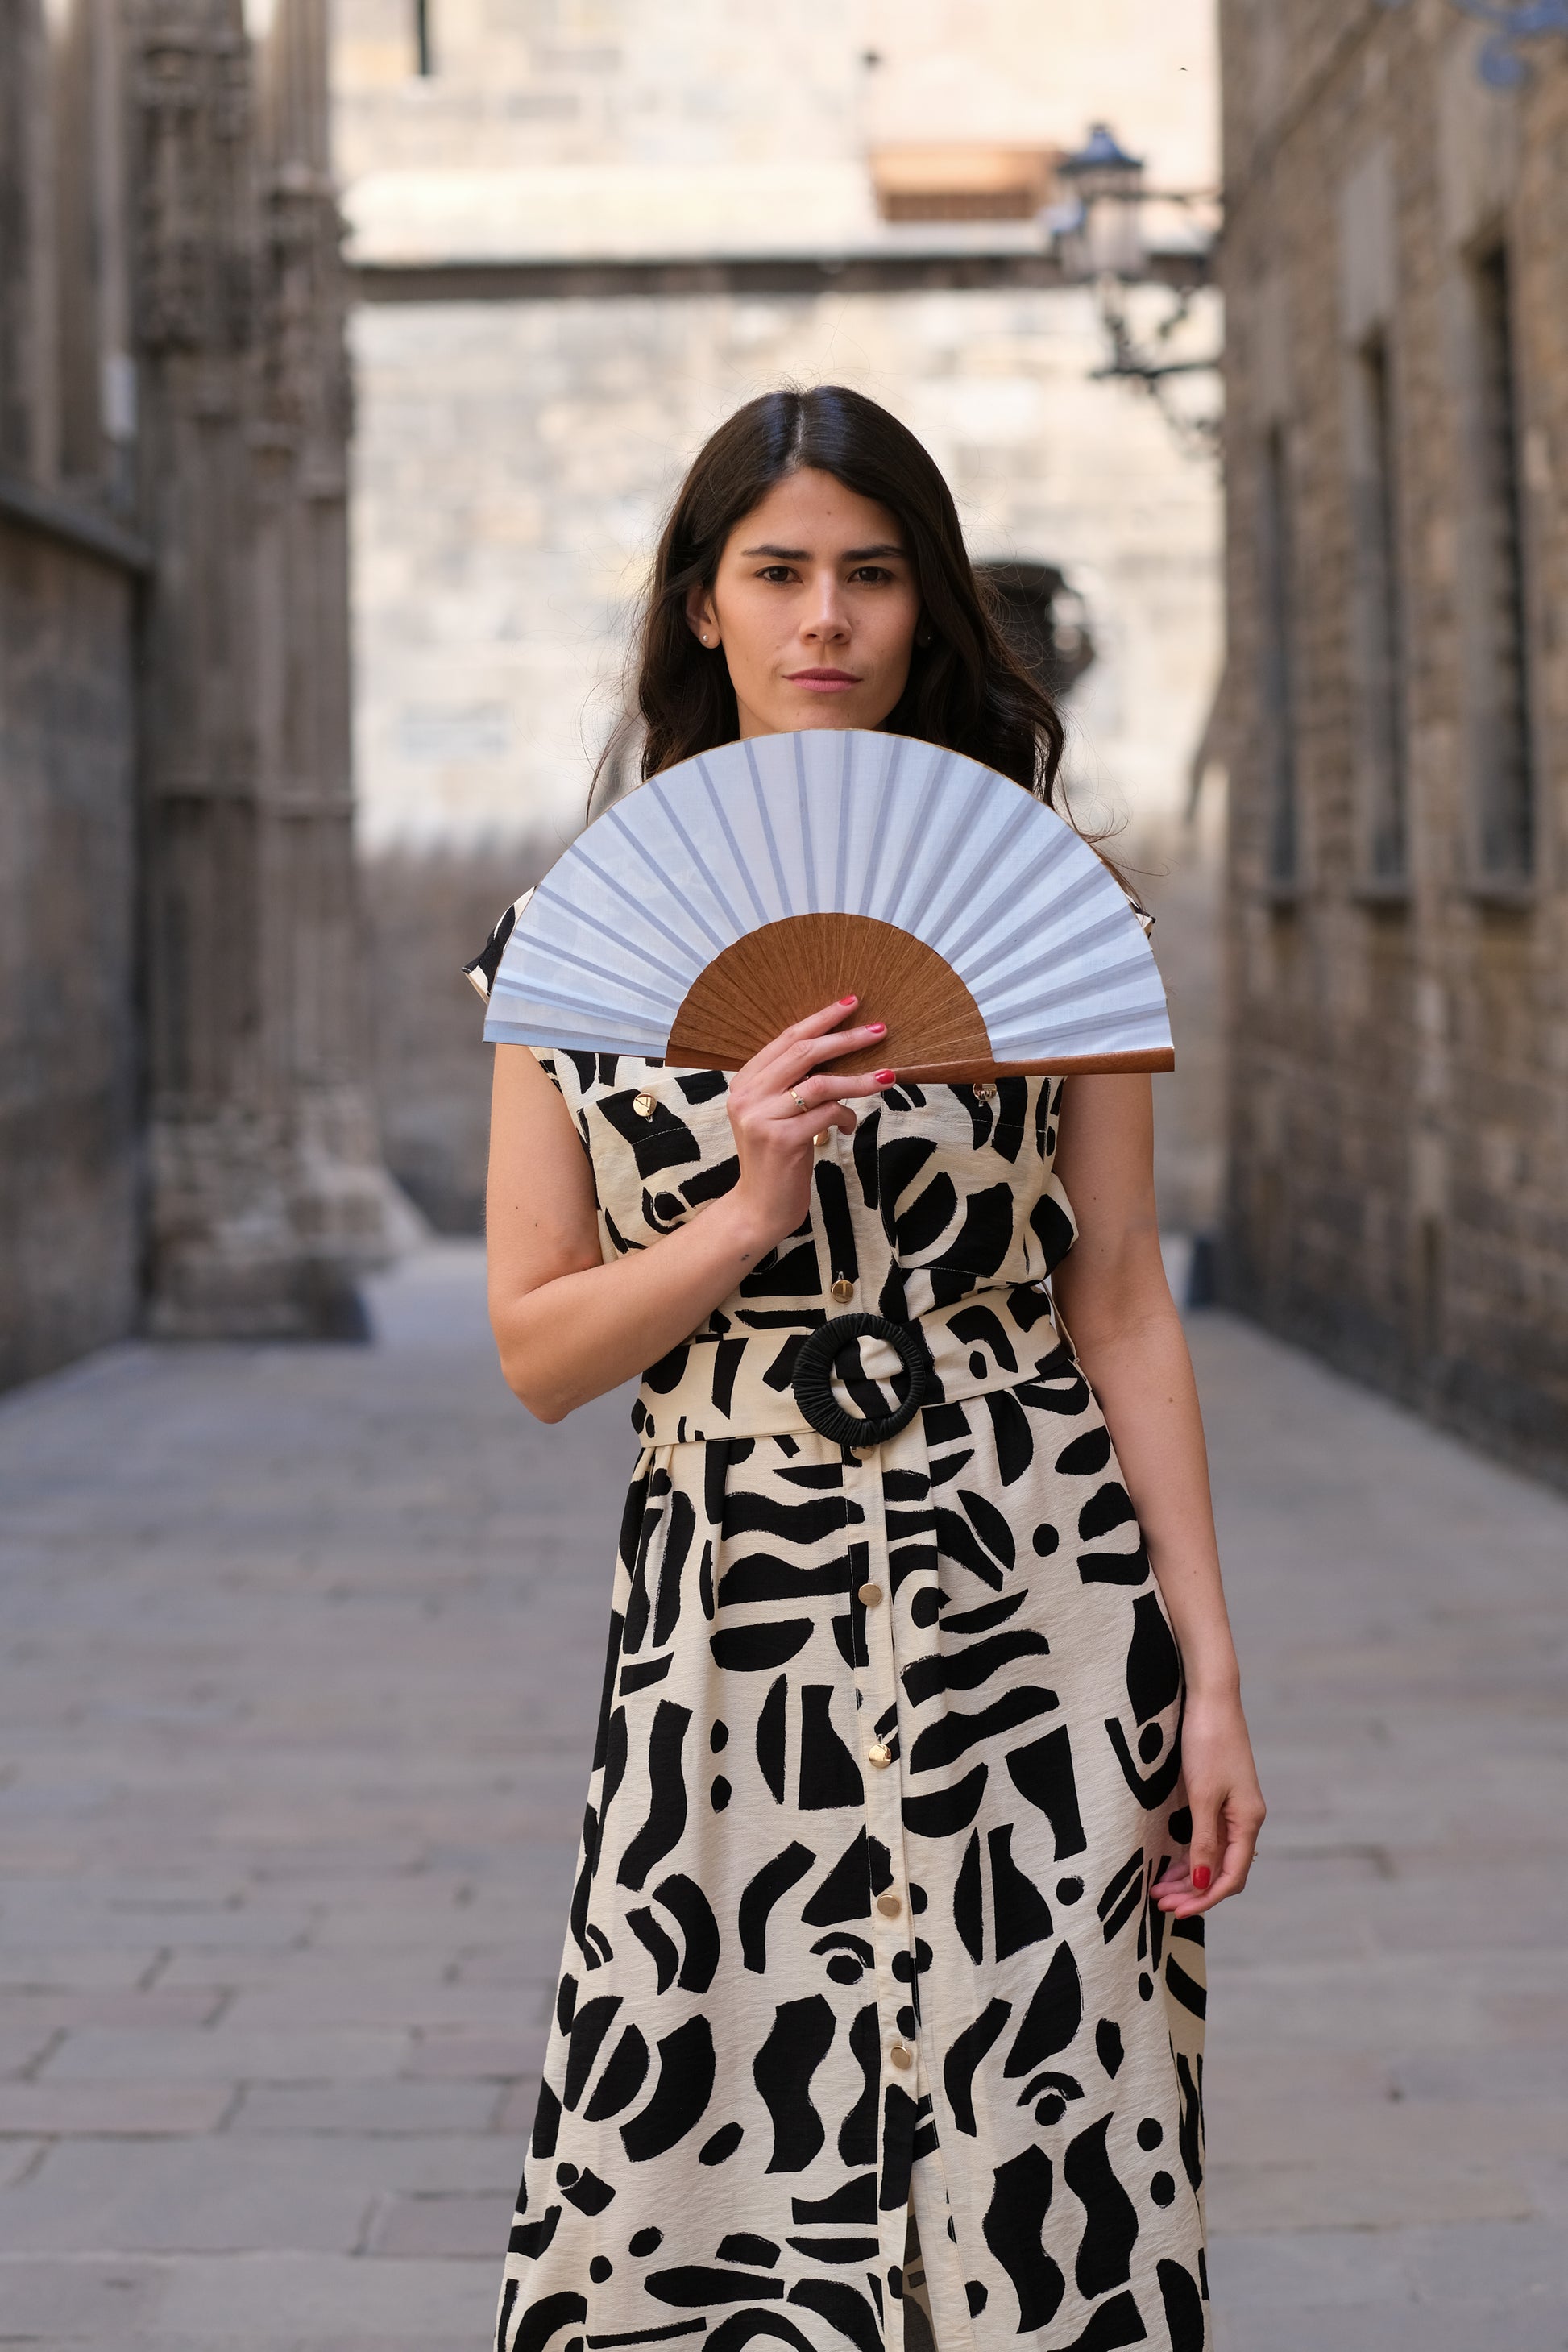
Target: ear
column 700, row 617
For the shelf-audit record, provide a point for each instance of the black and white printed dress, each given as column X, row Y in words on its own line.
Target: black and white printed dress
column 862, row 1950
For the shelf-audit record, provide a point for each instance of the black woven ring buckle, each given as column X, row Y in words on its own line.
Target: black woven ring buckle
column 813, row 1381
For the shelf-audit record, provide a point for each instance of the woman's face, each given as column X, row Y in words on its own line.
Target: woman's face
column 815, row 608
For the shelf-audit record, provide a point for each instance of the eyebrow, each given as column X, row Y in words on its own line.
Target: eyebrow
column 850, row 554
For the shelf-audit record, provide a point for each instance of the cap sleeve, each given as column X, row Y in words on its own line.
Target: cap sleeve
column 482, row 971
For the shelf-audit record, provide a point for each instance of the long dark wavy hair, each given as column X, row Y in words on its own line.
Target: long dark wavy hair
column 967, row 689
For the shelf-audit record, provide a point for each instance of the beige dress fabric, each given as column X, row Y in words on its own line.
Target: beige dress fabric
column 867, row 2025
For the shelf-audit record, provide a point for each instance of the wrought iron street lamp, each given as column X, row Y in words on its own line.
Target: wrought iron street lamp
column 1101, row 225
column 1098, row 236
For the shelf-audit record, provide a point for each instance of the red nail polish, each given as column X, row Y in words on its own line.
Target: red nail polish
column 878, row 1028
column 847, row 1001
column 1202, row 1874
column 884, row 1078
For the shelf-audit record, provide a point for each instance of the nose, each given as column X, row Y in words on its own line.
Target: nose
column 826, row 621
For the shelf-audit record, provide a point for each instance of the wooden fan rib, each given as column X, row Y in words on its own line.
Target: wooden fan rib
column 1152, row 1058
column 736, row 921
column 716, row 801
column 1039, row 987
column 1037, row 1000
column 978, row 901
column 638, row 906
column 1003, row 898
column 879, row 828
column 919, row 828
column 796, row 966
column 954, row 861
column 846, row 807
column 1064, row 908
column 764, row 820
column 617, row 980
column 803, row 808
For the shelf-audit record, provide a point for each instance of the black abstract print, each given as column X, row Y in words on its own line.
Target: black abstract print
column 887, row 1767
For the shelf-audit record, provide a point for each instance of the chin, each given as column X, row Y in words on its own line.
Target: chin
column 830, row 710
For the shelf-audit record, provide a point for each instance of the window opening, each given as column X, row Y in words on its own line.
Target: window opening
column 1279, row 661
column 1503, row 752
column 1382, row 619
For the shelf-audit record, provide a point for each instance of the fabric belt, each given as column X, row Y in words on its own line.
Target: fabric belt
column 833, row 1352
column 856, row 1379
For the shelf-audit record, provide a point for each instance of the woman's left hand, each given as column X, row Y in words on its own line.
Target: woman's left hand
column 1220, row 1782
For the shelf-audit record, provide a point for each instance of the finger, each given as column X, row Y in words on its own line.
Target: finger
column 801, row 1058
column 1206, row 1852
column 811, row 1125
column 810, row 1092
column 1176, row 1889
column 838, row 1114
column 1180, row 1893
column 1235, row 1864
column 814, row 1024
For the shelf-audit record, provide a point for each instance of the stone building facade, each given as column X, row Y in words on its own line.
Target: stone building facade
column 1397, row 713
column 187, row 1141
column 590, row 231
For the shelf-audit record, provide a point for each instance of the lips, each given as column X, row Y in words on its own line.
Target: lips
column 823, row 678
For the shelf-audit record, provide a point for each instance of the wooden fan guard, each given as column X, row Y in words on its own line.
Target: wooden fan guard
column 783, row 970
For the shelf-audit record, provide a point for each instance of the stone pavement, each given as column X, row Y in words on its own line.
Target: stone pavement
column 301, row 1650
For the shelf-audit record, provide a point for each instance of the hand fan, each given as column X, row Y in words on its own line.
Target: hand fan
column 746, row 888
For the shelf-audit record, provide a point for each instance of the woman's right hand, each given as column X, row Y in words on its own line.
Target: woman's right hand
column 779, row 1103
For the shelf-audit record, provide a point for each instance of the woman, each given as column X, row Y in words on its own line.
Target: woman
column 880, row 2012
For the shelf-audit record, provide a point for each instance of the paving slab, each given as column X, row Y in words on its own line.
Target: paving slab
column 301, row 1653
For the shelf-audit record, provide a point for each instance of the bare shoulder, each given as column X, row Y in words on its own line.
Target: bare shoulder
column 1106, row 1132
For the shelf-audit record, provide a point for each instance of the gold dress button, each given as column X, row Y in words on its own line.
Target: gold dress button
column 824, row 1137
column 888, row 1906
column 902, row 2055
column 643, row 1105
column 869, row 1596
column 984, row 1090
column 843, row 1289
column 879, row 1755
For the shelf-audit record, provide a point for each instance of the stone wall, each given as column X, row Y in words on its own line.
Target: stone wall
column 682, row 85
column 1399, row 561
column 427, row 912
column 189, row 1138
column 70, row 1076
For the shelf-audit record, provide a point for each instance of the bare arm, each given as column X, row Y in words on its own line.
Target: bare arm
column 568, row 1328
column 1117, row 1304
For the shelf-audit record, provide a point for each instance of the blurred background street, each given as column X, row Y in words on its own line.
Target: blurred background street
column 350, row 351
column 304, row 1648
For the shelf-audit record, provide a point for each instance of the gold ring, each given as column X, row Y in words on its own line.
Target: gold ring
column 798, row 1104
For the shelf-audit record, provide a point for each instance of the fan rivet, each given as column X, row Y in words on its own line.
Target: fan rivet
column 643, row 1105
column 843, row 1289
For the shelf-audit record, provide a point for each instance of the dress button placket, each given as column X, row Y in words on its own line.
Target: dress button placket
column 877, row 1684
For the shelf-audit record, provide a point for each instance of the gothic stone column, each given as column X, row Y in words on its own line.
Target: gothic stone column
column 266, row 1196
